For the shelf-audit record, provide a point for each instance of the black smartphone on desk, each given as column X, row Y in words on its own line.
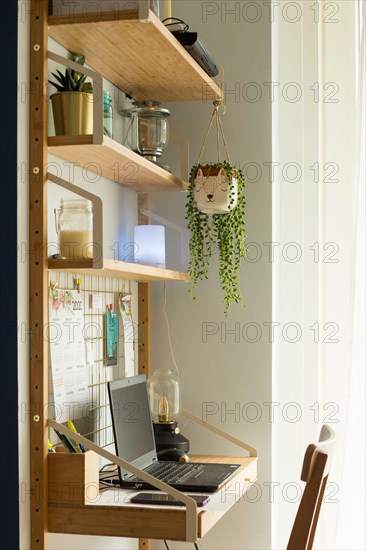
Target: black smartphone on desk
column 166, row 500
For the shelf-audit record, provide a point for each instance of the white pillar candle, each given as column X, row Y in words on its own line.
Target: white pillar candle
column 149, row 245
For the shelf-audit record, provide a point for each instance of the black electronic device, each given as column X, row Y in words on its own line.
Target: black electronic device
column 135, row 443
column 197, row 49
column 173, row 454
column 166, row 500
column 170, row 443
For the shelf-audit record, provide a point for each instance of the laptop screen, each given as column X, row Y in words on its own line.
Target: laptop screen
column 133, row 430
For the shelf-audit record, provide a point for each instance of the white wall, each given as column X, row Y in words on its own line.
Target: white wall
column 224, row 371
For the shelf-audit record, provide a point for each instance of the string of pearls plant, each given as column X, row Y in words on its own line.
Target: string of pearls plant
column 217, row 233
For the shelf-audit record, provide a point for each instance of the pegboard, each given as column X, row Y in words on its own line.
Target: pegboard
column 95, row 423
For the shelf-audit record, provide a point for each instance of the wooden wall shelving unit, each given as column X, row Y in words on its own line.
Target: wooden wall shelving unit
column 138, row 54
column 99, row 40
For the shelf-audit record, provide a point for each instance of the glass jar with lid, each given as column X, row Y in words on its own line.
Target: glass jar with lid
column 148, row 131
column 107, row 115
column 74, row 225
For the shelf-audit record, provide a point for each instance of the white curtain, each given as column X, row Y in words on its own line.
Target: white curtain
column 324, row 373
column 351, row 510
column 342, row 526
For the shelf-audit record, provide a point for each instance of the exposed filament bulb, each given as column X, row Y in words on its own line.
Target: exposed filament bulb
column 163, row 410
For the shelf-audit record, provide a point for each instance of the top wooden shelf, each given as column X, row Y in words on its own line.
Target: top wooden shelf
column 141, row 57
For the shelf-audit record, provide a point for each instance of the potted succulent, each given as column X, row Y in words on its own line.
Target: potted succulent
column 215, row 214
column 72, row 104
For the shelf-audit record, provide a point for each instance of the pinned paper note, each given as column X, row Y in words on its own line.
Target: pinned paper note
column 95, row 301
column 111, row 336
column 129, row 336
column 70, row 378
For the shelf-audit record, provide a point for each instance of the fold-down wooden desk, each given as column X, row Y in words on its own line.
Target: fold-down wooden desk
column 111, row 514
column 75, row 505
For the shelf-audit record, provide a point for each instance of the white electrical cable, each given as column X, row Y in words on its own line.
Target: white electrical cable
column 168, row 330
column 184, row 421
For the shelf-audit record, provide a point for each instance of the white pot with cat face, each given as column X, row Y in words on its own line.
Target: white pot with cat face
column 212, row 191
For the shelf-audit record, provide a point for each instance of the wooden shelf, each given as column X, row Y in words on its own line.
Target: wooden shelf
column 123, row 270
column 115, row 162
column 142, row 58
column 111, row 514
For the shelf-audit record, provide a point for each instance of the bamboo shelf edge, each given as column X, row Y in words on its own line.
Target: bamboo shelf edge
column 165, row 71
column 115, row 162
column 100, row 520
column 94, row 17
column 124, row 270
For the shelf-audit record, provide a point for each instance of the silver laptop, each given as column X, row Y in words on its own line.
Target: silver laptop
column 135, row 443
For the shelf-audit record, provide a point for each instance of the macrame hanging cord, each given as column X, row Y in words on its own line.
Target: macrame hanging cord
column 219, row 131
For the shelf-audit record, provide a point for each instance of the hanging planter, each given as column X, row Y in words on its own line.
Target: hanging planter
column 215, row 213
column 215, row 192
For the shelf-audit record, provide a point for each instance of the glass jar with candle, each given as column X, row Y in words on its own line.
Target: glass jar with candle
column 74, row 225
column 163, row 390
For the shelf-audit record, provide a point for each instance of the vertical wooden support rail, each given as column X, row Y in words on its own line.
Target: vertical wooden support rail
column 38, row 275
column 144, row 329
column 144, row 352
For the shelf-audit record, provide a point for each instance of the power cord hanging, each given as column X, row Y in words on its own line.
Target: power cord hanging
column 184, row 420
column 168, row 331
column 174, row 21
column 197, row 546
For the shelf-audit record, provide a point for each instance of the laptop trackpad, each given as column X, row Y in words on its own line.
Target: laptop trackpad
column 214, row 474
column 211, row 477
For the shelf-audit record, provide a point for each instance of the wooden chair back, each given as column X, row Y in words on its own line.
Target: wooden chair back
column 315, row 470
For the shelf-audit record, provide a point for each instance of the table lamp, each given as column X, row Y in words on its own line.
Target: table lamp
column 149, row 242
column 163, row 389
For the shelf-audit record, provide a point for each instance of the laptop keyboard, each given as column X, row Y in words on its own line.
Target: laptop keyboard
column 172, row 472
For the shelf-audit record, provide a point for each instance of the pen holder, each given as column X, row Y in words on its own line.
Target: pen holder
column 73, row 478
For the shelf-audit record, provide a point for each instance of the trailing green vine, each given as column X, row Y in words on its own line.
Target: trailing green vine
column 222, row 232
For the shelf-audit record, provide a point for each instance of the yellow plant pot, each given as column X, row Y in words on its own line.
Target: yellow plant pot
column 72, row 113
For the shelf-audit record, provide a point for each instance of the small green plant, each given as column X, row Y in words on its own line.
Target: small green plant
column 72, row 81
column 224, row 233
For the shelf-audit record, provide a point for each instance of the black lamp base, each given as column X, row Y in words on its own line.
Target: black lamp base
column 170, row 444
